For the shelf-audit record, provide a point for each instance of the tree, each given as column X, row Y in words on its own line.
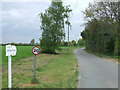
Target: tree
column 73, row 42
column 81, row 42
column 105, row 11
column 32, row 41
column 52, row 25
column 101, row 28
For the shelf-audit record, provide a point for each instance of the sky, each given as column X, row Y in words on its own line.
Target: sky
column 20, row 23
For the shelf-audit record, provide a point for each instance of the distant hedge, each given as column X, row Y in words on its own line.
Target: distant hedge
column 20, row 44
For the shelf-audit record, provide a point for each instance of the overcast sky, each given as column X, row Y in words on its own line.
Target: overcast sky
column 21, row 23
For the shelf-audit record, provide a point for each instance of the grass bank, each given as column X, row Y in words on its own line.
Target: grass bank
column 53, row 71
column 106, row 56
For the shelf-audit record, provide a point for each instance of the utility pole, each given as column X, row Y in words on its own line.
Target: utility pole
column 118, row 28
column 68, row 28
column 68, row 34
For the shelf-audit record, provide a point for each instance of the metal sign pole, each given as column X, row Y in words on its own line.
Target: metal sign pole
column 34, row 67
column 35, row 51
column 10, row 51
column 9, row 72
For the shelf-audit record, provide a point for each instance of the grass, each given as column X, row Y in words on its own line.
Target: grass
column 0, row 56
column 22, row 52
column 106, row 56
column 53, row 71
column 0, row 67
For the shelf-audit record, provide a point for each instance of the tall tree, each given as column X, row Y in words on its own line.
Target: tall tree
column 101, row 32
column 81, row 42
column 105, row 11
column 32, row 41
column 52, row 25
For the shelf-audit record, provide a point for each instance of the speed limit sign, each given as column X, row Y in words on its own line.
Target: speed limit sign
column 35, row 50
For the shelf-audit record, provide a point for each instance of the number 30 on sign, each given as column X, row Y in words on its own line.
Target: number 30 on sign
column 35, row 50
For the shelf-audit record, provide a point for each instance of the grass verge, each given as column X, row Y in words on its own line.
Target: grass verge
column 106, row 56
column 53, row 71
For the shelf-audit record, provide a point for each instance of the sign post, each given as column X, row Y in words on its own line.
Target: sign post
column 35, row 51
column 34, row 67
column 10, row 51
column 9, row 72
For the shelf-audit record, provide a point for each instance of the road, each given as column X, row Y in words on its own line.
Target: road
column 95, row 72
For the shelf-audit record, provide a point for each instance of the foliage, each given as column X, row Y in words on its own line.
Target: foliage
column 21, row 44
column 63, row 43
column 52, row 25
column 32, row 41
column 81, row 42
column 74, row 43
column 101, row 29
column 70, row 43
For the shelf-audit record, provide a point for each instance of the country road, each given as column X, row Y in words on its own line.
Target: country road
column 95, row 72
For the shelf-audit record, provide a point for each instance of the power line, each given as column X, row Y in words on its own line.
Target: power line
column 76, row 4
column 74, row 7
column 73, row 11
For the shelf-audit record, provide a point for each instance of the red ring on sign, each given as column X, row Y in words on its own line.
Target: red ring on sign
column 36, row 47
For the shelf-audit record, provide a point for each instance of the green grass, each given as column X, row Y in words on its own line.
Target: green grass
column 53, row 71
column 22, row 52
column 106, row 56
column 0, row 55
column 0, row 67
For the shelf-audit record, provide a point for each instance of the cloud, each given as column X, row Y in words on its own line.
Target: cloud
column 25, row 0
column 43, row 0
column 15, row 13
column 21, row 22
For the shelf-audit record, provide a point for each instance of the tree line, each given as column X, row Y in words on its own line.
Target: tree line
column 32, row 43
column 20, row 44
column 80, row 42
column 102, row 28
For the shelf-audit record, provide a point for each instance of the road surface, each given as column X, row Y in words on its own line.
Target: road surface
column 95, row 72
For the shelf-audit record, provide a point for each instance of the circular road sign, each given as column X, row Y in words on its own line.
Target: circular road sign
column 35, row 50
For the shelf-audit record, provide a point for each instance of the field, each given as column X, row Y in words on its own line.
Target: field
column 0, row 55
column 22, row 52
column 0, row 67
column 53, row 71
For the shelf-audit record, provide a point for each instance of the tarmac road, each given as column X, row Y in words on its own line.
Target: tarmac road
column 95, row 72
